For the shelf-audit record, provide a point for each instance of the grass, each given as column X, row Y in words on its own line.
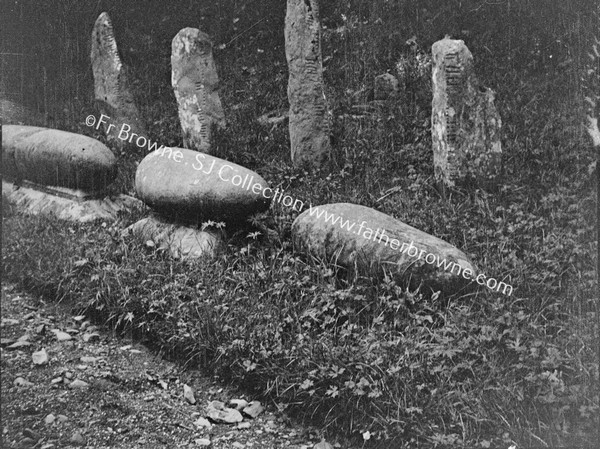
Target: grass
column 353, row 354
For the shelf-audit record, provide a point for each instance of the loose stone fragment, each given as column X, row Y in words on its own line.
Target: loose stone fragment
column 196, row 83
column 238, row 404
column 309, row 121
column 372, row 241
column 20, row 382
column 79, row 384
column 49, row 419
column 61, row 336
column 465, row 124
column 111, row 85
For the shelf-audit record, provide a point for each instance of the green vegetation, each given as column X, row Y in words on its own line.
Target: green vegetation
column 352, row 354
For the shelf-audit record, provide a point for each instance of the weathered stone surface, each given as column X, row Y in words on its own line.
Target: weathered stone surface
column 185, row 185
column 377, row 241
column 465, row 123
column 196, row 83
column 36, row 202
column 111, row 84
column 181, row 241
column 217, row 411
column 56, row 158
column 309, row 118
column 386, row 87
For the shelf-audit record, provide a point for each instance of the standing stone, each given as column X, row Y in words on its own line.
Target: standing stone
column 196, row 83
column 111, row 85
column 309, row 119
column 465, row 124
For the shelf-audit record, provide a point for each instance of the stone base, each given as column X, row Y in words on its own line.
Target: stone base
column 70, row 205
column 181, row 241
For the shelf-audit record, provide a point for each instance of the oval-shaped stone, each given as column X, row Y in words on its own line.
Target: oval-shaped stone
column 190, row 186
column 355, row 236
column 56, row 158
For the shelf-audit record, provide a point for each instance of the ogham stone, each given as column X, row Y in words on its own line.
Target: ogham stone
column 111, row 84
column 309, row 121
column 195, row 82
column 465, row 123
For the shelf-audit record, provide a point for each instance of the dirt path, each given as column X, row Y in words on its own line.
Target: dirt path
column 129, row 398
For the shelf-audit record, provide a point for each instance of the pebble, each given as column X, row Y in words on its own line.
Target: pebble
column 49, row 419
column 40, row 357
column 238, row 404
column 62, row 418
column 202, row 441
column 85, row 359
column 243, row 425
column 188, row 394
column 78, row 384
column 19, row 344
column 77, row 438
column 20, row 382
column 217, row 411
column 56, row 380
column 254, row 409
column 60, row 335
column 203, row 423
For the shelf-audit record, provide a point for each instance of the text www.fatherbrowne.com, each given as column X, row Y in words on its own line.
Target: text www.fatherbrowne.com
column 410, row 249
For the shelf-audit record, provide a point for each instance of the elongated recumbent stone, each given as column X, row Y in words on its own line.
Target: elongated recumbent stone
column 465, row 124
column 367, row 240
column 196, row 83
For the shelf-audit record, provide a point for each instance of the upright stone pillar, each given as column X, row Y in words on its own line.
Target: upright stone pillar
column 309, row 119
column 111, row 85
column 195, row 82
column 464, row 121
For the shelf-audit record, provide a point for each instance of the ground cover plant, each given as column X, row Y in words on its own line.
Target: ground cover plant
column 357, row 355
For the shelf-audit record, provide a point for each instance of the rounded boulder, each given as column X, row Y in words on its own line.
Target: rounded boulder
column 189, row 186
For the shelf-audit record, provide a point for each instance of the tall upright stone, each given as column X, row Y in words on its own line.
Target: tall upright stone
column 309, row 119
column 111, row 84
column 464, row 122
column 196, row 83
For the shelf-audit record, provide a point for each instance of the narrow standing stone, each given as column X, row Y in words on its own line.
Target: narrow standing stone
column 464, row 122
column 309, row 119
column 111, row 85
column 195, row 82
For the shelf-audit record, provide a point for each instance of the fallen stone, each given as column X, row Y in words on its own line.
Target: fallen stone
column 465, row 124
column 386, row 87
column 378, row 241
column 56, row 380
column 39, row 357
column 80, row 384
column 203, row 442
column 254, row 409
column 217, row 411
column 86, row 359
column 195, row 83
column 67, row 207
column 187, row 186
column 40, row 329
column 56, row 158
column 112, row 86
column 188, row 394
column 181, row 242
column 244, row 425
column 20, row 382
column 62, row 418
column 309, row 120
